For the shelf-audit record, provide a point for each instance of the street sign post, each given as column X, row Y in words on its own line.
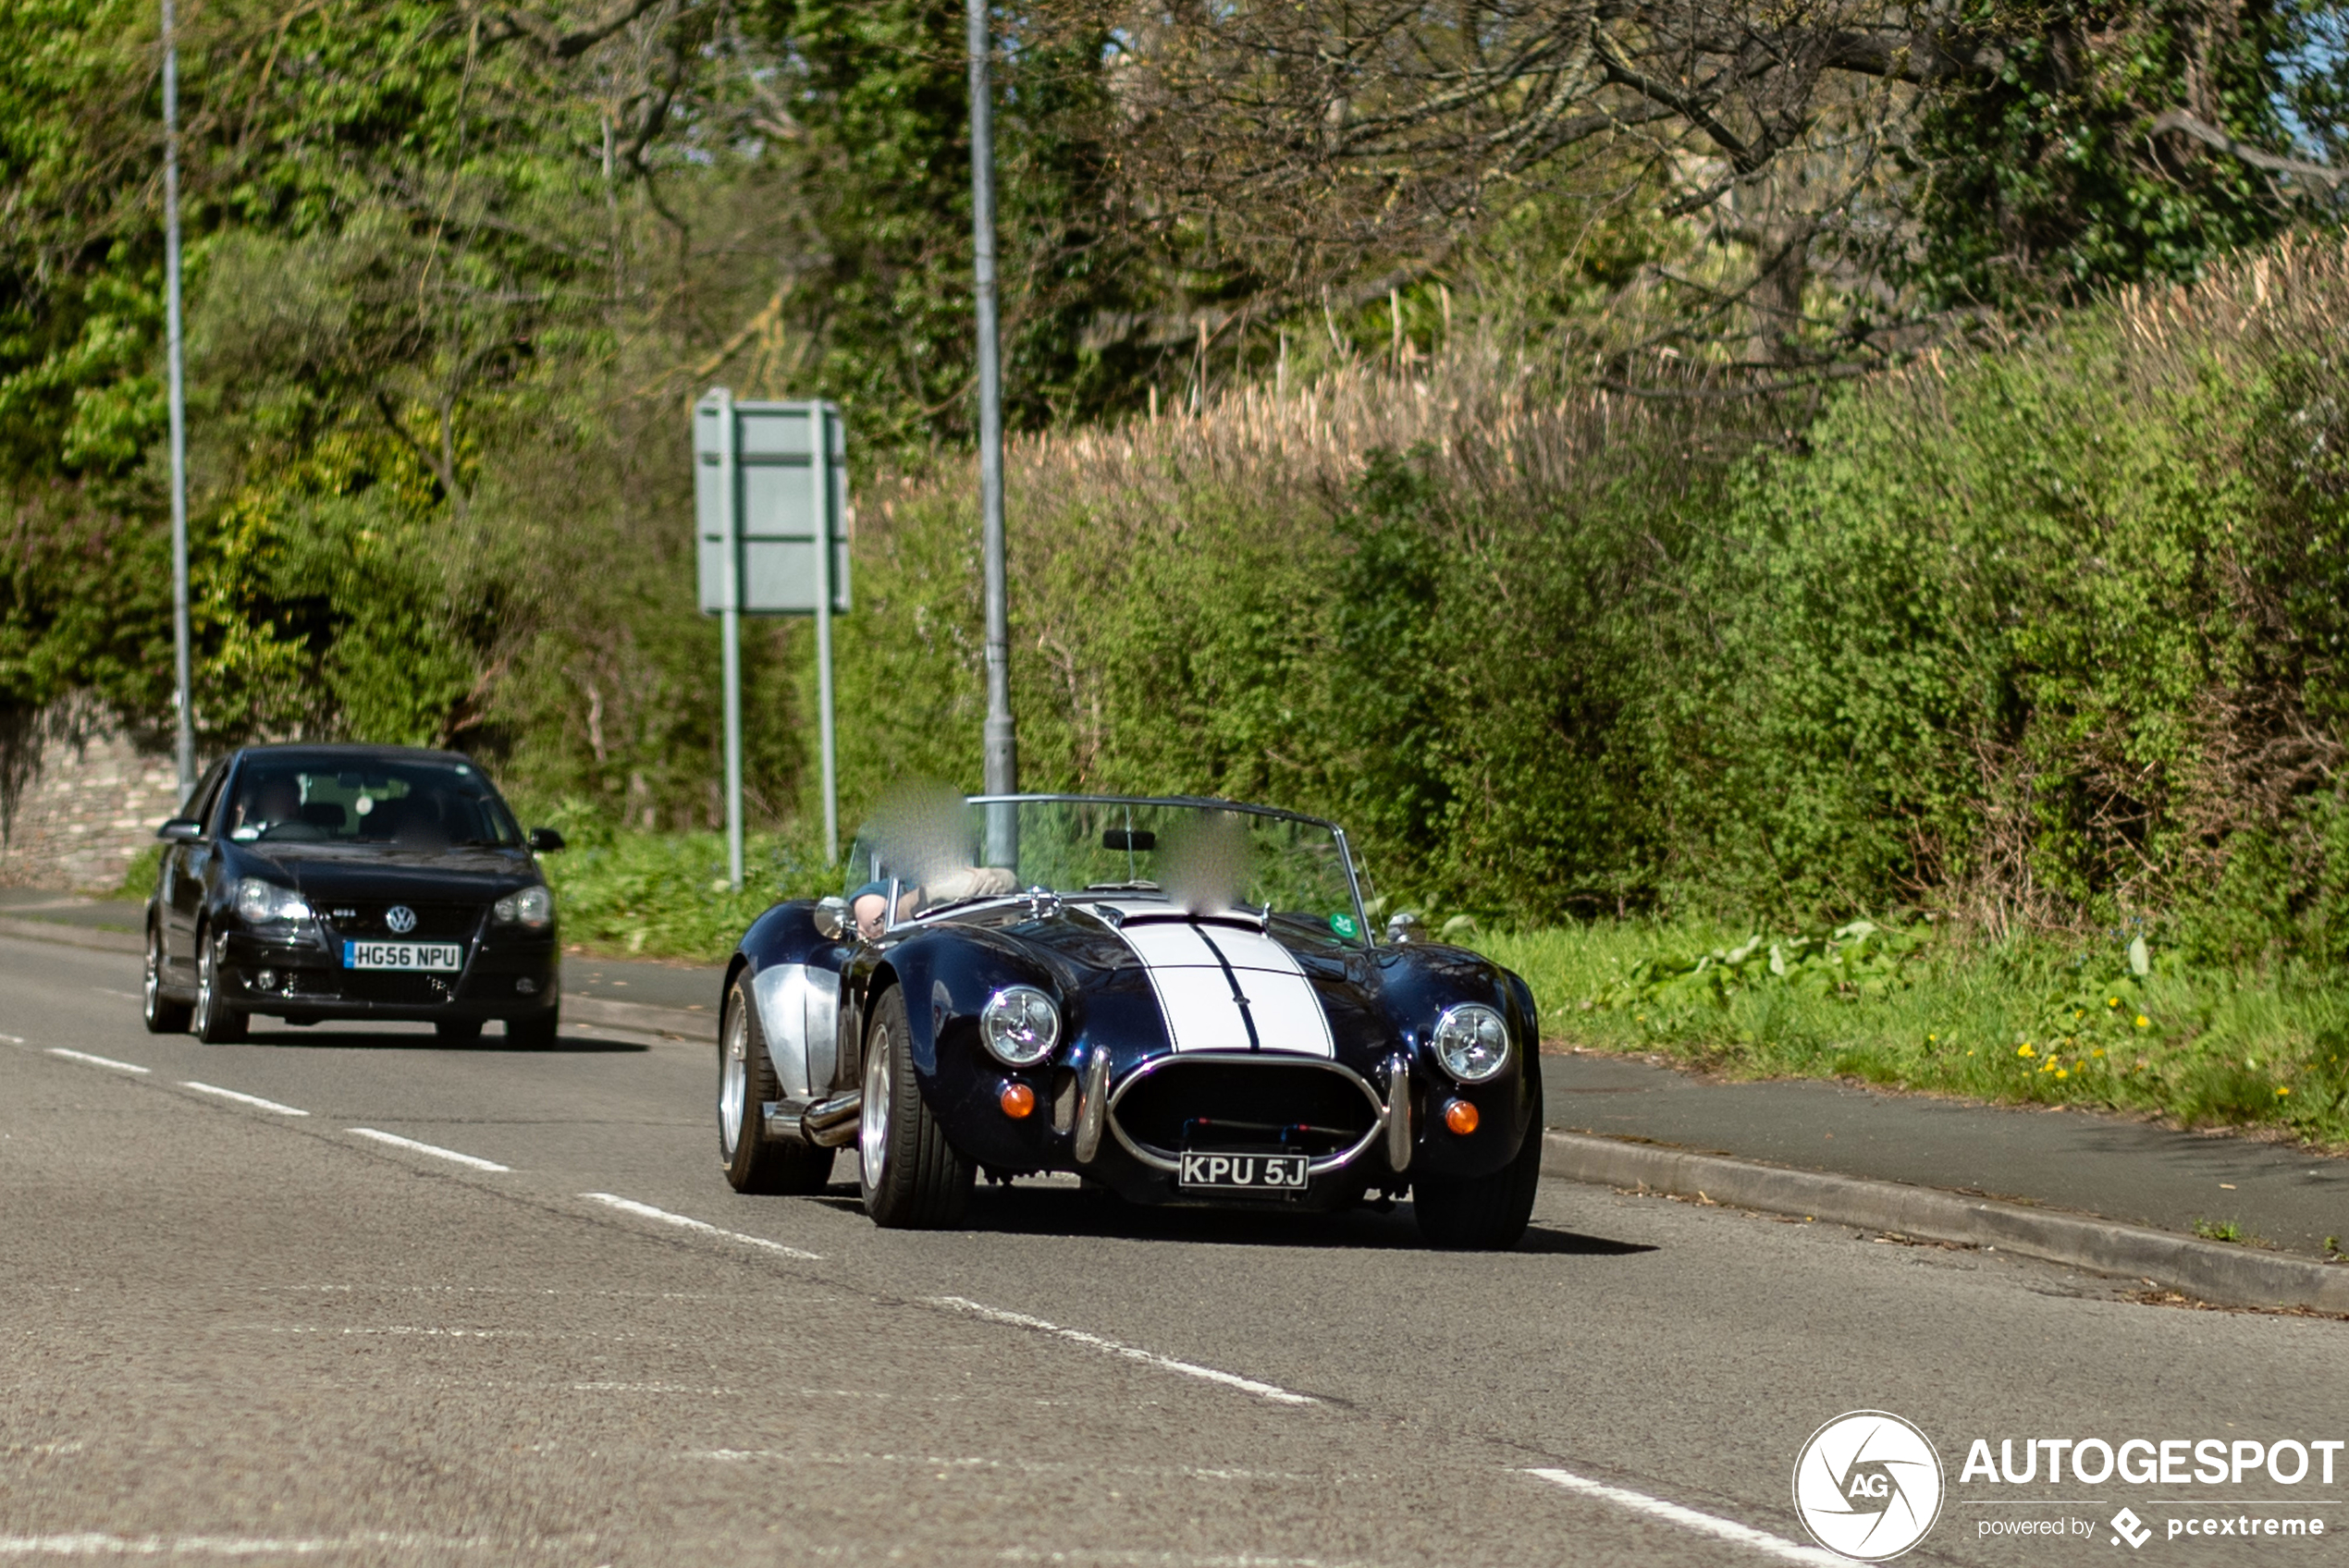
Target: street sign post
column 770, row 523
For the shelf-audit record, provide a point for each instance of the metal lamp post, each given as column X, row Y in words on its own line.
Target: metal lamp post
column 183, row 697
column 1001, row 738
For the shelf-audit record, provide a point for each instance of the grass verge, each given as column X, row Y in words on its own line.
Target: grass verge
column 2108, row 1025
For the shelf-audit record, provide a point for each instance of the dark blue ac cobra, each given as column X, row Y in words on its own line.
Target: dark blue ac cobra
column 1177, row 1000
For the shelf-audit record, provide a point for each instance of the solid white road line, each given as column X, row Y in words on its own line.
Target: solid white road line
column 13, row 1039
column 1272, row 1392
column 94, row 1061
column 647, row 1211
column 253, row 1101
column 396, row 1141
column 1689, row 1518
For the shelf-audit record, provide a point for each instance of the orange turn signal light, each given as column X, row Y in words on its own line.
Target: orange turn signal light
column 1018, row 1101
column 1460, row 1116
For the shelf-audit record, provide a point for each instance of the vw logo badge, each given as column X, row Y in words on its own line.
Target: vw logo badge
column 1868, row 1486
column 400, row 918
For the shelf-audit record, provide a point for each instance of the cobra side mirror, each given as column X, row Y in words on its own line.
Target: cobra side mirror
column 831, row 918
column 545, row 840
column 180, row 830
column 1406, row 927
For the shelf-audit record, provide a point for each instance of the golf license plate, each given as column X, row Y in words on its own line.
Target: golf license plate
column 433, row 957
column 1278, row 1175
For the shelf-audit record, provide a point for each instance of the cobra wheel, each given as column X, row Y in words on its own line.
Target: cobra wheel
column 913, row 1179
column 215, row 1022
column 1481, row 1213
column 163, row 1015
column 756, row 1163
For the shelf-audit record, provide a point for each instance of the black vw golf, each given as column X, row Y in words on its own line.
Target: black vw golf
column 383, row 882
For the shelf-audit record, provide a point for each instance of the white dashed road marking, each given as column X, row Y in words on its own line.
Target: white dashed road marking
column 91, row 1543
column 396, row 1141
column 1277, row 1394
column 253, row 1101
column 91, row 1060
column 647, row 1211
column 1689, row 1518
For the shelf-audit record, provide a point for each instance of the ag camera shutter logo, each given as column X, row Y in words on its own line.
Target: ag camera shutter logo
column 1868, row 1486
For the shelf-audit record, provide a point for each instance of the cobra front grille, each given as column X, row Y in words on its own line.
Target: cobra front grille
column 1246, row 1104
column 435, row 921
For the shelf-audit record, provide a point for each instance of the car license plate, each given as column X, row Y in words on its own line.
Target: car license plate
column 1279, row 1174
column 436, row 956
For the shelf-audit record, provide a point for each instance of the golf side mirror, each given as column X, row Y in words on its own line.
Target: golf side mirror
column 831, row 918
column 180, row 830
column 545, row 840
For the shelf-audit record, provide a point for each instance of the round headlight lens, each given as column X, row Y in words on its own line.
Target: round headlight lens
column 531, row 906
column 259, row 901
column 1020, row 1025
column 1473, row 1042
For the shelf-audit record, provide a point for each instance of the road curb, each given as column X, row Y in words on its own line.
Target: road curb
column 2231, row 1276
column 72, row 936
column 642, row 1017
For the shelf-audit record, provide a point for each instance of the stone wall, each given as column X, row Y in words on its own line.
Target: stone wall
column 90, row 806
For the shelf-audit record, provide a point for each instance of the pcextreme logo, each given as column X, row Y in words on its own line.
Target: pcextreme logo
column 1868, row 1486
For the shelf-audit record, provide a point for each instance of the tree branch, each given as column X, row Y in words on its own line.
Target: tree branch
column 2212, row 136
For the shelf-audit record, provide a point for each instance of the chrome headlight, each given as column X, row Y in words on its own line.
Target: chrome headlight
column 259, row 901
column 530, row 906
column 1020, row 1025
column 1473, row 1042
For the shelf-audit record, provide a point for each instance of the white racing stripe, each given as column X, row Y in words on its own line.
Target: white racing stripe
column 1689, row 1518
column 1272, row 1392
column 647, row 1211
column 396, row 1141
column 92, row 1061
column 253, row 1101
column 1194, row 967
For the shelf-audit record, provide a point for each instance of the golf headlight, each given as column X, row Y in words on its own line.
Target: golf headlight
column 259, row 901
column 1473, row 1042
column 1020, row 1025
column 530, row 906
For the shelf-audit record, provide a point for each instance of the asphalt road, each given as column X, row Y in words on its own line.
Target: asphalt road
column 228, row 1331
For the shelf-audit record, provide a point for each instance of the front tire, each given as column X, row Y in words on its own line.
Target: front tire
column 214, row 1023
column 912, row 1180
column 754, row 1162
column 1481, row 1213
column 163, row 1015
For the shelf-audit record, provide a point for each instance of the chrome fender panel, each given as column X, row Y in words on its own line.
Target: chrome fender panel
column 799, row 1013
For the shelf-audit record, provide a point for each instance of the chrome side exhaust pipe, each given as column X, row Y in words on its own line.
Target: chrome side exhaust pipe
column 832, row 1124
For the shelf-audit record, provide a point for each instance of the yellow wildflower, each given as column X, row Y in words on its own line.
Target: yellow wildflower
column 2284, row 1089
column 2112, row 1002
column 2025, row 1050
column 2143, row 1022
column 2063, row 1072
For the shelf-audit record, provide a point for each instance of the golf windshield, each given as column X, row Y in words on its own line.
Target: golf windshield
column 1206, row 859
column 418, row 805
